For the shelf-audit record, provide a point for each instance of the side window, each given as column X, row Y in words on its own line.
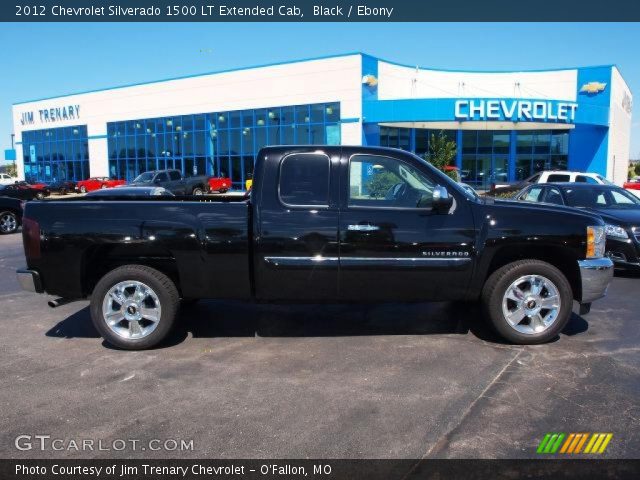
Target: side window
column 556, row 177
column 585, row 179
column 377, row 181
column 304, row 180
column 554, row 196
column 162, row 177
column 533, row 195
column 533, row 179
column 174, row 175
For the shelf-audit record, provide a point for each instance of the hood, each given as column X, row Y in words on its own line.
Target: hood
column 543, row 207
column 620, row 216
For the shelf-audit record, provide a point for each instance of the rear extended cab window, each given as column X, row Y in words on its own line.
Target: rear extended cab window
column 304, row 180
column 558, row 177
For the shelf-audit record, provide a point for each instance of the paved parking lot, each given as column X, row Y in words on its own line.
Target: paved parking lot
column 392, row 381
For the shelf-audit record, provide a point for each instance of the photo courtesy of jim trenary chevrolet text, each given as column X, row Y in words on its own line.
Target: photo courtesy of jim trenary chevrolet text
column 332, row 240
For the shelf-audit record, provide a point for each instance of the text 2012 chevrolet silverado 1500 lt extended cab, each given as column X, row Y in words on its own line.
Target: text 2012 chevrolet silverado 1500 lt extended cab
column 322, row 224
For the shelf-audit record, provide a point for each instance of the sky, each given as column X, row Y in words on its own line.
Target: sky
column 46, row 60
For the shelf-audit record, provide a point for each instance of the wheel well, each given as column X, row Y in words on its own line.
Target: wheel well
column 97, row 264
column 559, row 257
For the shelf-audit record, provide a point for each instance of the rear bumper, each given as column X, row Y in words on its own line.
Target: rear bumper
column 595, row 275
column 29, row 280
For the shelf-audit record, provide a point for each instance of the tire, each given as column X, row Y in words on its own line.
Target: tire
column 39, row 195
column 197, row 191
column 63, row 191
column 161, row 301
column 8, row 222
column 518, row 313
column 103, row 186
column 83, row 189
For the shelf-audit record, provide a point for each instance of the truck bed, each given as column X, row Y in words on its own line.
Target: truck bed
column 202, row 241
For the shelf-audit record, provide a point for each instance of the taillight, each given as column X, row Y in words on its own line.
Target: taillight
column 31, row 238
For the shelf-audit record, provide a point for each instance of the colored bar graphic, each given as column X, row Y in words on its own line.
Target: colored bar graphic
column 554, row 442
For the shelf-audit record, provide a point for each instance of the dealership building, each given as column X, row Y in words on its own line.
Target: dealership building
column 507, row 125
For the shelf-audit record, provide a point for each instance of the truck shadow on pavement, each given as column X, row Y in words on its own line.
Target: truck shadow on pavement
column 210, row 319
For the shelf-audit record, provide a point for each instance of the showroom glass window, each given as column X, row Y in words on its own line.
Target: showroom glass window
column 219, row 143
column 485, row 157
column 56, row 154
column 540, row 150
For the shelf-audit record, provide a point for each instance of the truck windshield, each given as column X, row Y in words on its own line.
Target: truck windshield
column 145, row 177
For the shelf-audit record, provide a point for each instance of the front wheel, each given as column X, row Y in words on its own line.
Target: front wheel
column 8, row 222
column 528, row 301
column 39, row 195
column 83, row 189
column 134, row 307
column 197, row 191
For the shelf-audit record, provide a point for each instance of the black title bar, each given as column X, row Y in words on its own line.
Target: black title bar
column 318, row 11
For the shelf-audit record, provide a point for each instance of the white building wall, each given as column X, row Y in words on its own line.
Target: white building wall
column 397, row 81
column 619, row 129
column 314, row 81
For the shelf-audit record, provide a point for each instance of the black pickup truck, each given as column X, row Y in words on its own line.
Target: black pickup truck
column 321, row 224
column 173, row 181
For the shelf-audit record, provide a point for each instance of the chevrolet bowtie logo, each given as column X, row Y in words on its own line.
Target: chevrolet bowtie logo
column 593, row 87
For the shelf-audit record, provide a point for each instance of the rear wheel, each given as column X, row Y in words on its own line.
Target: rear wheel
column 197, row 191
column 8, row 222
column 39, row 195
column 134, row 307
column 528, row 301
column 83, row 189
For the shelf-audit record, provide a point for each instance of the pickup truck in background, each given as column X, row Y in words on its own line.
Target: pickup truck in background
column 173, row 181
column 321, row 224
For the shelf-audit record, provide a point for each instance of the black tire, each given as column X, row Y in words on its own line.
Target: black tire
column 163, row 287
column 197, row 191
column 496, row 287
column 83, row 189
column 8, row 222
column 39, row 195
column 63, row 191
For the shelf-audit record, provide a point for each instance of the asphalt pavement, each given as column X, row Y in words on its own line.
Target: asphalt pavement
column 336, row 381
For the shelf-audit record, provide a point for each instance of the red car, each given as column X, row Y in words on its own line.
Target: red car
column 40, row 189
column 219, row 184
column 96, row 183
column 632, row 185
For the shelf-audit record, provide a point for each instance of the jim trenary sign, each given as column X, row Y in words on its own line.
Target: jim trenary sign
column 53, row 114
column 516, row 110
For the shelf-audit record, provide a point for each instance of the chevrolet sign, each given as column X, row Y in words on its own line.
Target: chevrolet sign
column 516, row 110
column 593, row 87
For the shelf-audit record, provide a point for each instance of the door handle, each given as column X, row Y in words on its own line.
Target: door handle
column 363, row 228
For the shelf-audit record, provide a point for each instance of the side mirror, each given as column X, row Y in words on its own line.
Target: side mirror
column 442, row 201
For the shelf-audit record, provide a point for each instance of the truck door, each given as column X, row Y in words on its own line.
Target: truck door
column 393, row 245
column 296, row 237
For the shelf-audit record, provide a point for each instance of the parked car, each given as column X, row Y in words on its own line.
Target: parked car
column 310, row 231
column 21, row 192
column 6, row 179
column 219, row 184
column 173, row 181
column 39, row 189
column 96, row 183
column 62, row 187
column 618, row 208
column 10, row 214
column 551, row 176
column 124, row 191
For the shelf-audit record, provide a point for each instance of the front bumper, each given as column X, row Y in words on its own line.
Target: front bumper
column 595, row 275
column 29, row 280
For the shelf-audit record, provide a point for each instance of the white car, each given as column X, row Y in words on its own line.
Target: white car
column 6, row 179
column 551, row 176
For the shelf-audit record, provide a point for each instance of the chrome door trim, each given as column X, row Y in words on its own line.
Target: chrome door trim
column 346, row 262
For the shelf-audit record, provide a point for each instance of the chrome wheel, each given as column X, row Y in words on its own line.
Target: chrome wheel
column 531, row 304
column 131, row 309
column 198, row 191
column 83, row 189
column 8, row 223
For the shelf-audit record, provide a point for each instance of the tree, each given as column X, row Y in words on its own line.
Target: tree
column 380, row 182
column 442, row 152
column 636, row 168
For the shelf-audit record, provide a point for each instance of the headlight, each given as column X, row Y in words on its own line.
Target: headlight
column 596, row 240
column 614, row 231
